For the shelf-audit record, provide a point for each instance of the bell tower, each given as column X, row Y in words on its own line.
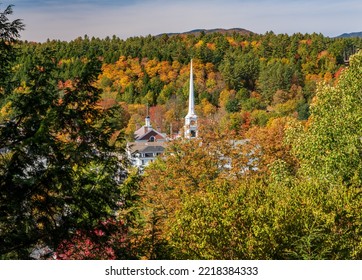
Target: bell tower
column 190, row 128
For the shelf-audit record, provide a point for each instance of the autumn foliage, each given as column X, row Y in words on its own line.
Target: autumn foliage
column 101, row 243
column 275, row 172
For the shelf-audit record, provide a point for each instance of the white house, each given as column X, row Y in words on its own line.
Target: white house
column 148, row 144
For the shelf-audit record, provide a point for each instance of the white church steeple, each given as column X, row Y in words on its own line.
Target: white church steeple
column 191, row 94
column 191, row 118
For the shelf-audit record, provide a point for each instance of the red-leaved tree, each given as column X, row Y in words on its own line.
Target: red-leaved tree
column 106, row 242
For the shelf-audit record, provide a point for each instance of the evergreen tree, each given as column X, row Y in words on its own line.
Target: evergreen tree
column 9, row 32
column 58, row 171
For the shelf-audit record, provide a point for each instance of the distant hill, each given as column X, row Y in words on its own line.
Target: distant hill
column 350, row 35
column 197, row 32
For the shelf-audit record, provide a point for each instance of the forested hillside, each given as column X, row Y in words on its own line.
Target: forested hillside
column 275, row 173
column 238, row 78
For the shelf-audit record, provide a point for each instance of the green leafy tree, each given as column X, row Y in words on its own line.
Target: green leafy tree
column 254, row 220
column 232, row 106
column 330, row 147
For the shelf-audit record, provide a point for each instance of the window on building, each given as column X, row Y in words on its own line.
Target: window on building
column 152, row 139
column 148, row 155
column 193, row 133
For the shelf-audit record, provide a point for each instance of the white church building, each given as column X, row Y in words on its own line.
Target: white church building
column 149, row 143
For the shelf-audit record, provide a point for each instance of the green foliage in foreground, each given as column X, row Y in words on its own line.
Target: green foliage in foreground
column 258, row 221
column 330, row 148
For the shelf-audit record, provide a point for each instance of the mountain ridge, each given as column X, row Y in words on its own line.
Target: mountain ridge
column 243, row 31
column 350, row 35
column 197, row 32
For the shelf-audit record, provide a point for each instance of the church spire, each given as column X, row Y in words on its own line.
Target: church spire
column 191, row 118
column 191, row 94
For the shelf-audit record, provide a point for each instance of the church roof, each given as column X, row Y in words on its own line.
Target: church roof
column 145, row 132
column 146, row 147
column 141, row 131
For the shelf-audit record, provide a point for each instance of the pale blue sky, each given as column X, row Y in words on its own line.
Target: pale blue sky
column 68, row 19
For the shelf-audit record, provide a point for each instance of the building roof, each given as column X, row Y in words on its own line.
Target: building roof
column 141, row 131
column 146, row 147
column 145, row 130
